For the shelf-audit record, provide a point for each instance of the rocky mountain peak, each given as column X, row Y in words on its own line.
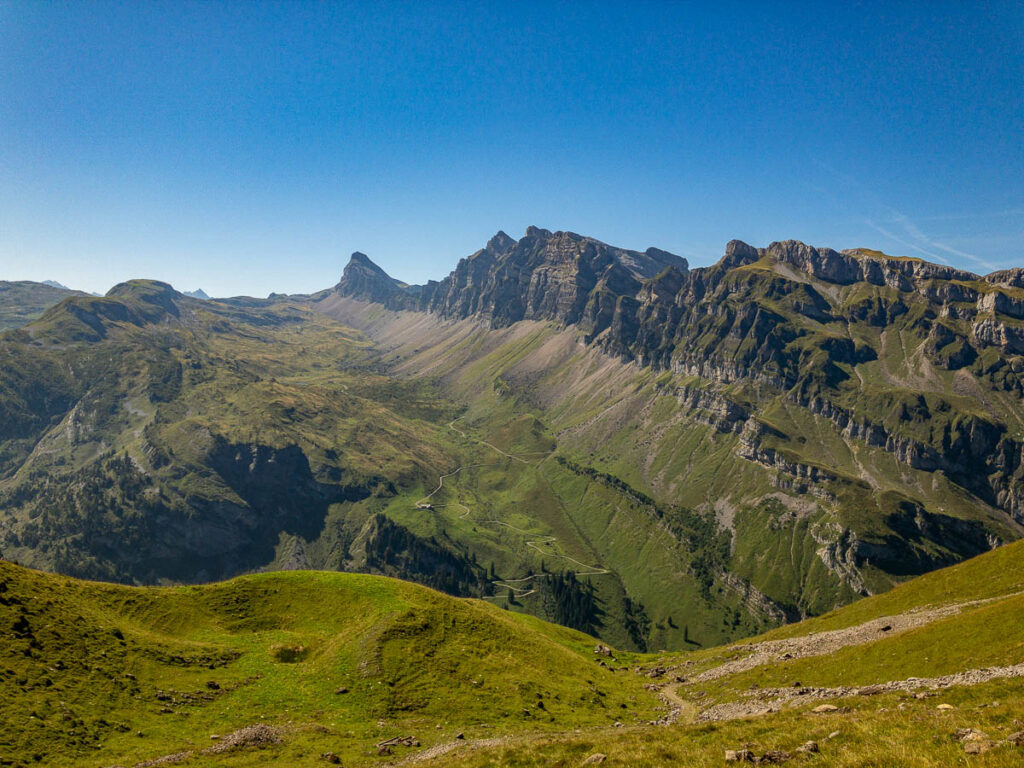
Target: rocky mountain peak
column 738, row 254
column 533, row 233
column 363, row 279
column 823, row 263
column 500, row 243
column 677, row 262
column 360, row 259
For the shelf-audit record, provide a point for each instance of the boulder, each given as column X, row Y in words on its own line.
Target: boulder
column 739, row 756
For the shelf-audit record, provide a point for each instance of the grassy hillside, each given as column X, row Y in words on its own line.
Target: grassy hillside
column 101, row 675
column 23, row 301
column 95, row 674
column 883, row 664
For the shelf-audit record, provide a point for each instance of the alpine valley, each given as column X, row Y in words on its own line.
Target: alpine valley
column 662, row 460
column 662, row 457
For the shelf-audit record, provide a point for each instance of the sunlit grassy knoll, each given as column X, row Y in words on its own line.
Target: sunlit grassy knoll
column 99, row 674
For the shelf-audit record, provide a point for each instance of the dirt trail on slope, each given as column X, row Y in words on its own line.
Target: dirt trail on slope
column 763, row 701
column 767, row 700
column 822, row 643
column 449, row 746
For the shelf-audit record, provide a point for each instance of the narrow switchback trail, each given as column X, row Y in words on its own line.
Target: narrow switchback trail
column 536, row 543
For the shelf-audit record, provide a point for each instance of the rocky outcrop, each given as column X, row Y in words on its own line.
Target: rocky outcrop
column 712, row 408
column 1002, row 303
column 752, row 448
column 1011, row 278
column 558, row 276
column 994, row 333
column 755, row 601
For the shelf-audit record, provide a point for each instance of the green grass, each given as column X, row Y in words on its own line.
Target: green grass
column 98, row 674
column 24, row 301
column 878, row 732
column 89, row 667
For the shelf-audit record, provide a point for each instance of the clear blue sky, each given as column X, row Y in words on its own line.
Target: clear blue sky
column 249, row 148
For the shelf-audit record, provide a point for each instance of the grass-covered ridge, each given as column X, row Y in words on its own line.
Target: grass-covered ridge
column 23, row 301
column 100, row 675
column 96, row 674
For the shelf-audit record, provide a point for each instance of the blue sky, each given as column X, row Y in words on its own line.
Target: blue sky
column 249, row 148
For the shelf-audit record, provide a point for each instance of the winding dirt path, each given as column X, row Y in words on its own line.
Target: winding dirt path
column 768, row 700
column 822, row 643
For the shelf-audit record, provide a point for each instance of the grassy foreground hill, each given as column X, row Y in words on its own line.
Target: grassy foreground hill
column 302, row 668
column 95, row 675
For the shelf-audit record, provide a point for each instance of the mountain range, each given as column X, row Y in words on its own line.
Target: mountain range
column 661, row 456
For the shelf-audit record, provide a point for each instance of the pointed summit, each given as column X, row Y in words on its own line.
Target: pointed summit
column 360, row 261
column 500, row 243
column 362, row 279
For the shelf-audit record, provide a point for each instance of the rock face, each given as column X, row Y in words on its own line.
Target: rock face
column 891, row 350
column 364, row 279
column 558, row 276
